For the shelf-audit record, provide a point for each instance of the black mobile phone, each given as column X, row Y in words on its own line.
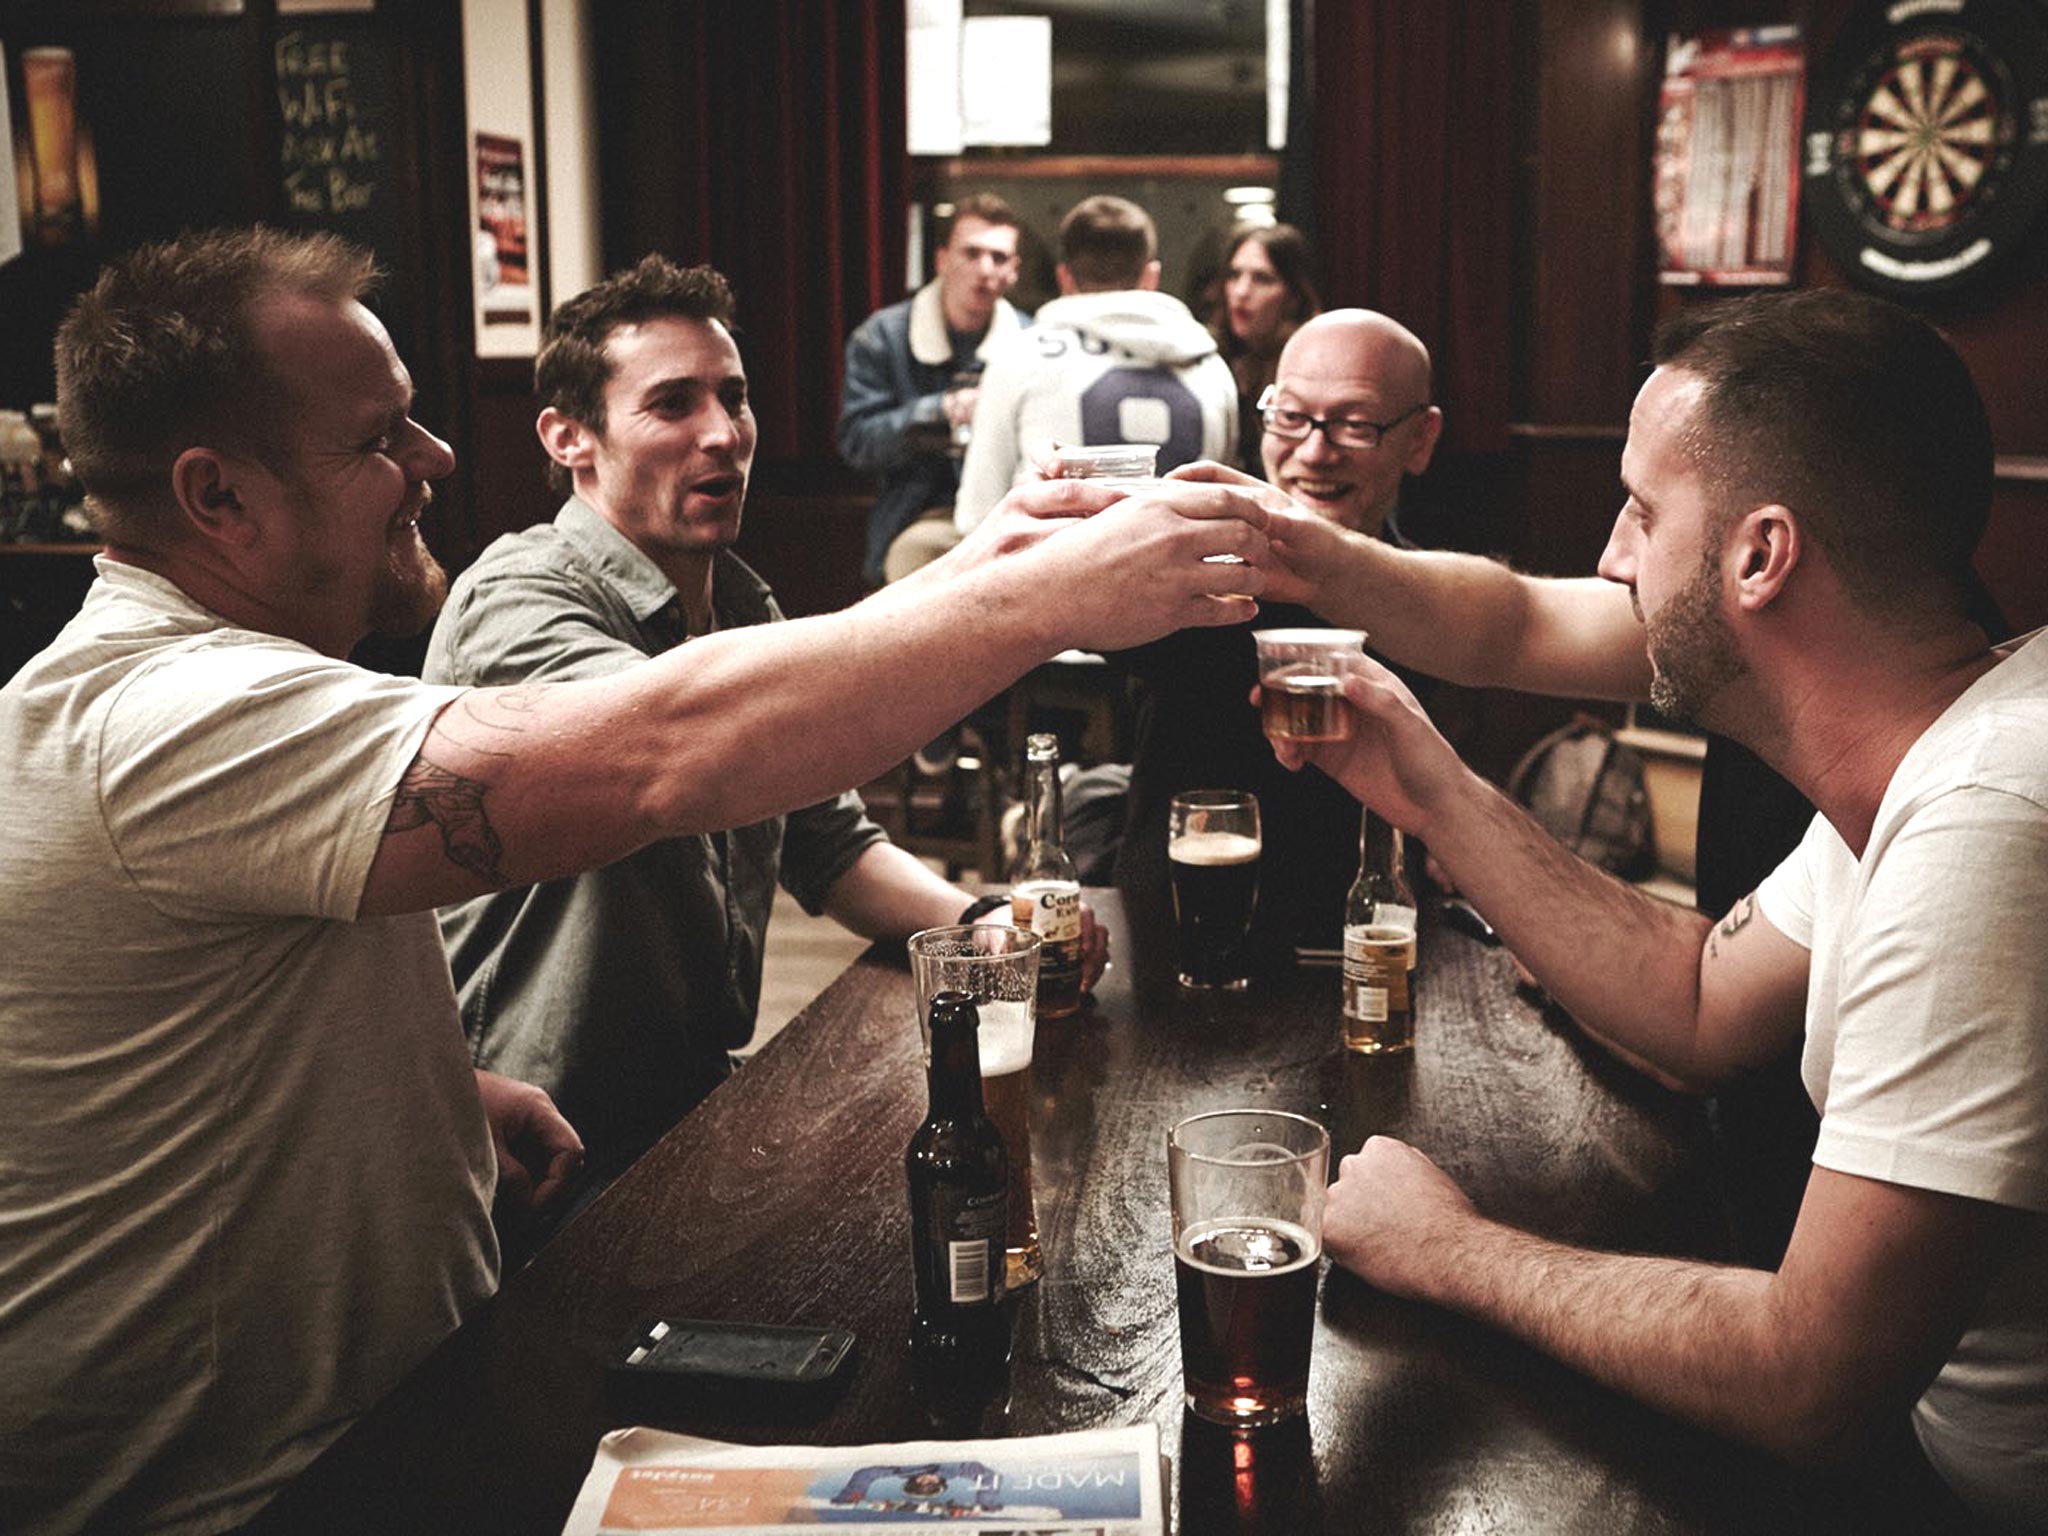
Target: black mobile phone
column 732, row 1352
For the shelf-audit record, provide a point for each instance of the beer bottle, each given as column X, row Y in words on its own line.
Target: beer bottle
column 1045, row 893
column 1379, row 944
column 958, row 1202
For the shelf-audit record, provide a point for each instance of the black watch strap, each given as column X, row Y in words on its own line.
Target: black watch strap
column 981, row 906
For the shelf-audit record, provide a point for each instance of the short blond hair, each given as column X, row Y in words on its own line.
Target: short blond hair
column 161, row 355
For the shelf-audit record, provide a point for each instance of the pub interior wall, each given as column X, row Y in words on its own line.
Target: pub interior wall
column 1586, row 295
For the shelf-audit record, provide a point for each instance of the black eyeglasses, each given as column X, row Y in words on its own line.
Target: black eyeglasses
column 1339, row 431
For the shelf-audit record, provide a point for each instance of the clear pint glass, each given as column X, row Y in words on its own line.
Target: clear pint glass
column 1212, row 855
column 998, row 967
column 1247, row 1188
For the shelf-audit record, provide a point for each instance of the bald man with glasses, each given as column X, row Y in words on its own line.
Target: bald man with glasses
column 1347, row 419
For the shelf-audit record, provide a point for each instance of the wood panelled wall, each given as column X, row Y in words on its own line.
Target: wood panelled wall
column 1590, row 297
column 1587, row 300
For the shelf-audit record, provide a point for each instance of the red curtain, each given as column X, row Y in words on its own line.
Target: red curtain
column 765, row 137
column 1414, row 186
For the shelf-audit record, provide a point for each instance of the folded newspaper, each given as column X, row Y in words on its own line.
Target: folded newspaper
column 1104, row 1482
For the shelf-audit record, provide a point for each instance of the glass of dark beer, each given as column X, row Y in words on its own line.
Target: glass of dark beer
column 998, row 967
column 1212, row 853
column 1247, row 1188
column 1301, row 682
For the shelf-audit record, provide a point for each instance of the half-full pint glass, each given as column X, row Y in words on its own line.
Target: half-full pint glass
column 1247, row 1190
column 1212, row 855
column 999, row 967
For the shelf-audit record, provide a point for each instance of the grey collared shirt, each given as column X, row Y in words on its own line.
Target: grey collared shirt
column 620, row 991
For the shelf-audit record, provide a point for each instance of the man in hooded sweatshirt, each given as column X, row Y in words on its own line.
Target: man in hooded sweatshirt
column 1112, row 360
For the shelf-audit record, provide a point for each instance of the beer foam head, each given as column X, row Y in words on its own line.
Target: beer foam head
column 1213, row 848
column 1236, row 1245
column 1004, row 1050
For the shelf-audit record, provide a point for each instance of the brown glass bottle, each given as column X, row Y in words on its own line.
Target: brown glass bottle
column 958, row 1174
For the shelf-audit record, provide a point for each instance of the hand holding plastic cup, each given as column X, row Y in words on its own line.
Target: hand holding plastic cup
column 1301, row 682
column 1127, row 465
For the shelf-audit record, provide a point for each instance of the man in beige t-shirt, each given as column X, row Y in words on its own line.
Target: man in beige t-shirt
column 245, row 1168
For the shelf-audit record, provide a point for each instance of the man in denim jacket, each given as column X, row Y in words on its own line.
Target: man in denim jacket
column 907, row 390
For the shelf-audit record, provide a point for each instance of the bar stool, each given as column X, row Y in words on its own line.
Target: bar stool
column 946, row 810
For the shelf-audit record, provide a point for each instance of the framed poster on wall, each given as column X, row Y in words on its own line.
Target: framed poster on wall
column 504, row 241
column 1726, row 192
column 504, row 211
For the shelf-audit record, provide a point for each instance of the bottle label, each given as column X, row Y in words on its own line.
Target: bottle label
column 967, row 1232
column 967, row 1268
column 1049, row 908
column 1388, row 915
column 1378, row 960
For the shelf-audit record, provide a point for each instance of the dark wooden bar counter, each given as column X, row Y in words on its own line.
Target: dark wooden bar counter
column 781, row 1200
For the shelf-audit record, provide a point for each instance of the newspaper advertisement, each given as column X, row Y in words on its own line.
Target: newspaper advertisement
column 1092, row 1483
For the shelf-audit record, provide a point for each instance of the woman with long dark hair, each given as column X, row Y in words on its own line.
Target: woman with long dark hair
column 1268, row 289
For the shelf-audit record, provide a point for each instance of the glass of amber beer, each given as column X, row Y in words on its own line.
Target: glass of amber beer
column 998, row 966
column 1301, row 682
column 1247, row 1188
column 1212, row 855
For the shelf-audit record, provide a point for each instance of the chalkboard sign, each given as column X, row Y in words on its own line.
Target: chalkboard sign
column 336, row 146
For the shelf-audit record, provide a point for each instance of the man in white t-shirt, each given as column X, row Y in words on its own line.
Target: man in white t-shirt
column 1807, row 475
column 246, row 1169
column 1112, row 360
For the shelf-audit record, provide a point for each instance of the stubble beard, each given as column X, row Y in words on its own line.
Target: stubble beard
column 1693, row 654
column 411, row 587
column 704, row 535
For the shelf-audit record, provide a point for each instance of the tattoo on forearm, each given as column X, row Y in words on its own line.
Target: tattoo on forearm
column 1738, row 918
column 430, row 793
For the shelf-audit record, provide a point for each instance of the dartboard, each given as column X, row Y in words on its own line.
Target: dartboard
column 1927, row 140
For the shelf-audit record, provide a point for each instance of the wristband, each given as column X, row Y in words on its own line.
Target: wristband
column 981, row 906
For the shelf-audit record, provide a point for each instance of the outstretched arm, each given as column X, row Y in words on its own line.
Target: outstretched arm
column 1463, row 618
column 514, row 785
column 888, row 894
column 1694, row 1001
